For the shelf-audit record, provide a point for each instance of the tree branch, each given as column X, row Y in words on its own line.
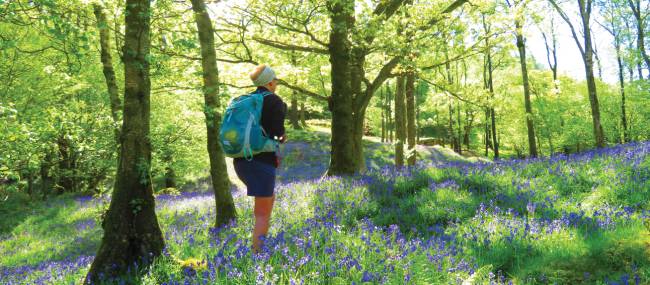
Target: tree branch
column 568, row 21
column 453, row 6
column 452, row 93
column 383, row 74
column 302, row 90
column 289, row 47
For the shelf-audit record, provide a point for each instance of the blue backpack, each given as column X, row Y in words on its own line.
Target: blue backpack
column 241, row 133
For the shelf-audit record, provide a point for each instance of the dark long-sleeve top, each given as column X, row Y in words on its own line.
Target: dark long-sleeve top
column 274, row 111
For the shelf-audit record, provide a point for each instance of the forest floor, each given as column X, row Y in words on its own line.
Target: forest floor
column 576, row 219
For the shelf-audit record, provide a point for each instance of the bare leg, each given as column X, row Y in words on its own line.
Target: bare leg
column 262, row 211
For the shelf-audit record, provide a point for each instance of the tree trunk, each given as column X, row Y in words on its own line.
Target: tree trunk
column 591, row 81
column 293, row 112
column 468, row 128
column 635, row 5
column 301, row 115
column 131, row 231
column 383, row 116
column 586, row 51
column 621, row 80
column 225, row 206
column 495, row 142
column 389, row 114
column 459, row 133
column 46, row 179
column 170, row 174
column 342, row 159
column 521, row 46
column 487, row 132
column 410, row 118
column 358, row 131
column 65, row 177
column 418, row 94
column 400, row 122
column 107, row 64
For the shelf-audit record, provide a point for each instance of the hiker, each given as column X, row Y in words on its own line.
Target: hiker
column 258, row 173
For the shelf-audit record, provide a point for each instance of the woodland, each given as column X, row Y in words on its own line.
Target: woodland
column 429, row 141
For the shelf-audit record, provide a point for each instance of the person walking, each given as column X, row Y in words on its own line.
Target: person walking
column 259, row 173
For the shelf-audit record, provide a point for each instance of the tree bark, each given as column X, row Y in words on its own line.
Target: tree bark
column 400, row 122
column 107, row 64
column 131, row 231
column 343, row 158
column 521, row 46
column 410, row 118
column 225, row 206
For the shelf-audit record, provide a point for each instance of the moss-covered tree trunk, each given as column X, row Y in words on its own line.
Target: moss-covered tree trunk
column 342, row 161
column 131, row 231
column 521, row 46
column 218, row 171
column 400, row 121
column 410, row 118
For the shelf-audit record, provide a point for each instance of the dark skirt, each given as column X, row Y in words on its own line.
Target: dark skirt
column 259, row 177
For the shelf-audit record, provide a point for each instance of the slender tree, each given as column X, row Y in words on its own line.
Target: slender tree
column 389, row 113
column 586, row 50
column 218, row 171
column 519, row 7
column 131, row 231
column 293, row 111
column 400, row 121
column 410, row 117
column 489, row 82
column 550, row 43
column 635, row 6
column 613, row 26
column 107, row 64
column 382, row 106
